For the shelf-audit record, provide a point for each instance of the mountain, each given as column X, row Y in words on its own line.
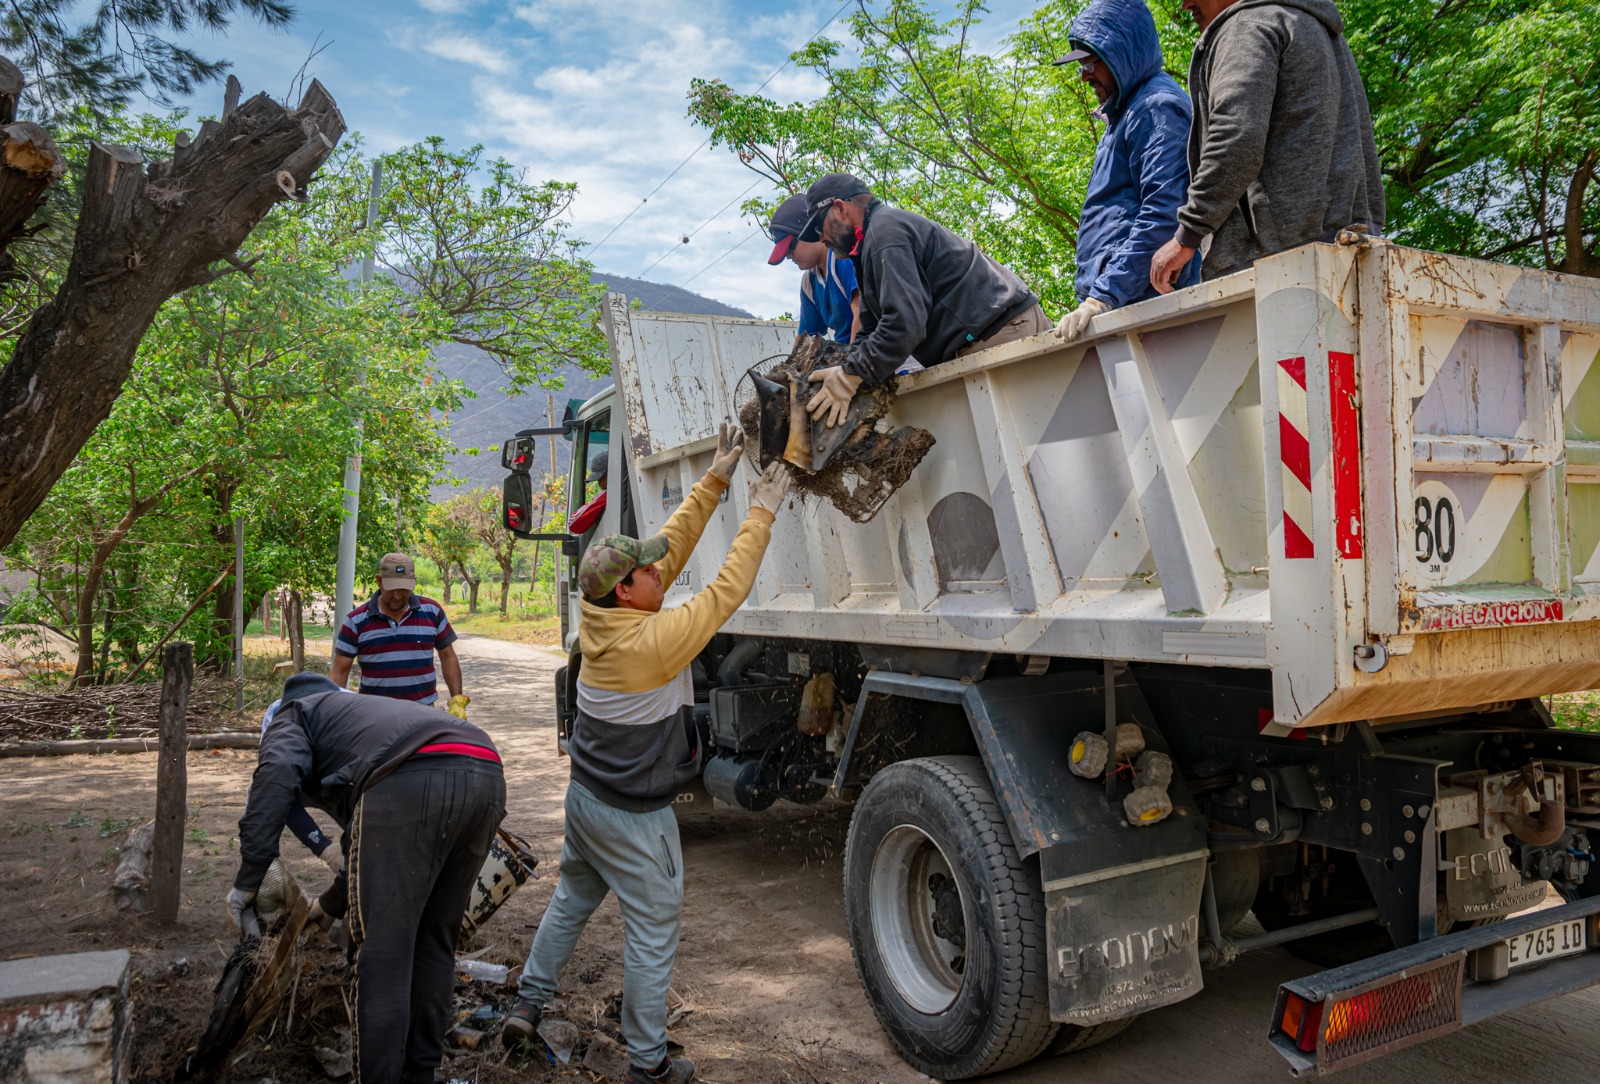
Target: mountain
column 485, row 422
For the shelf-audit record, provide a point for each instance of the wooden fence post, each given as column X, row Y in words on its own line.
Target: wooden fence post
column 172, row 783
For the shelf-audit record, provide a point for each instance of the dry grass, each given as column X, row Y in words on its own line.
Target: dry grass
column 527, row 627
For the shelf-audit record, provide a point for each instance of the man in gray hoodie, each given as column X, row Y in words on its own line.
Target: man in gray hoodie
column 1281, row 150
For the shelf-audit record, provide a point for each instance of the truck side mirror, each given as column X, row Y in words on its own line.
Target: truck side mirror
column 516, row 513
column 517, row 453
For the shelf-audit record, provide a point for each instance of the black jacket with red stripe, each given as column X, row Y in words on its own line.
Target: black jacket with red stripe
column 325, row 751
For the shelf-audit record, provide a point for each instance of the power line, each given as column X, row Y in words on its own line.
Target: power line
column 719, row 259
column 707, row 141
column 700, row 227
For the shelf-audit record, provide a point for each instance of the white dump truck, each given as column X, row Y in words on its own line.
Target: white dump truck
column 1296, row 551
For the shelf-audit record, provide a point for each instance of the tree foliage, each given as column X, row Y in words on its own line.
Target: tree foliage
column 488, row 251
column 118, row 49
column 1484, row 112
column 243, row 402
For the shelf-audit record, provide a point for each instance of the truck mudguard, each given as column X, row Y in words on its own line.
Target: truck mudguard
column 1122, row 901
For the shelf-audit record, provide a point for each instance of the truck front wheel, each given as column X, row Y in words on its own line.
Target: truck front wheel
column 946, row 922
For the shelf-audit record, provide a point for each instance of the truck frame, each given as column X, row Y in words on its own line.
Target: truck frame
column 1312, row 540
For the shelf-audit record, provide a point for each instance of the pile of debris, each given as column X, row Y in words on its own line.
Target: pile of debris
column 315, row 1017
column 855, row 466
column 97, row 712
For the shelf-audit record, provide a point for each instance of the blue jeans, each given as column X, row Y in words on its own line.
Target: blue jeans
column 637, row 856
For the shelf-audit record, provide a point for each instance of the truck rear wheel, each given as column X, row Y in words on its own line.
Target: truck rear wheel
column 946, row 922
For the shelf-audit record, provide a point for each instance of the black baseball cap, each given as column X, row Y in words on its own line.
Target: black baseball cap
column 820, row 196
column 787, row 222
column 1075, row 56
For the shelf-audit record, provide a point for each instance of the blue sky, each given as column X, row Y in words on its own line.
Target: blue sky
column 590, row 91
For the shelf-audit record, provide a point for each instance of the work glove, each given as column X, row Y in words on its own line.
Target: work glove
column 238, row 900
column 333, row 859
column 458, row 706
column 768, row 491
column 317, row 917
column 1076, row 322
column 832, row 400
column 730, row 446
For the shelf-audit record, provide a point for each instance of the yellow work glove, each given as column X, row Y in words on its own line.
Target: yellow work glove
column 458, row 706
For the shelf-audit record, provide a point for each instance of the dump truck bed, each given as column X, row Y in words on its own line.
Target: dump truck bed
column 1373, row 471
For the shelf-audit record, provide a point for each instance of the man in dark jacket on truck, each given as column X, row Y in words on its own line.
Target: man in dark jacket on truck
column 634, row 745
column 1281, row 150
column 419, row 794
column 1141, row 174
column 924, row 291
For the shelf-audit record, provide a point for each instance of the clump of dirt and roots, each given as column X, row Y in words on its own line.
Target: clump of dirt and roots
column 873, row 461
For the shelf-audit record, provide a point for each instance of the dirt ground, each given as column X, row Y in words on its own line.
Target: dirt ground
column 748, row 973
column 764, row 961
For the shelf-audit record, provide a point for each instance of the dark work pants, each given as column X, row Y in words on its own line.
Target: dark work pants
column 417, row 842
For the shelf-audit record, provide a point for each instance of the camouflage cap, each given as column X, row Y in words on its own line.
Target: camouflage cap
column 611, row 557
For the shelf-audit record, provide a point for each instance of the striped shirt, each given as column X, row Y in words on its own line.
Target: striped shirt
column 397, row 656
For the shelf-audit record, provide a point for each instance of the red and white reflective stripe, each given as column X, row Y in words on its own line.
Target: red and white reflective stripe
column 1347, row 533
column 1295, row 451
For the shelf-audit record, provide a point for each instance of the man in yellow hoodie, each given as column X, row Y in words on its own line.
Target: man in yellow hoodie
column 633, row 746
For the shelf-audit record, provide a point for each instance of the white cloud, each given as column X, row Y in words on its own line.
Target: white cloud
column 445, row 7
column 465, row 49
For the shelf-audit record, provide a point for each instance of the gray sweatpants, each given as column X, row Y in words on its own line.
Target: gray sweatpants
column 637, row 856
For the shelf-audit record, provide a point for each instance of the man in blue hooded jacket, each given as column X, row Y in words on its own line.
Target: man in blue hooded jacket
column 1141, row 167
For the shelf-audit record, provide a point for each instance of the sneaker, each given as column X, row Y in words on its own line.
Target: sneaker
column 671, row 1071
column 522, row 1022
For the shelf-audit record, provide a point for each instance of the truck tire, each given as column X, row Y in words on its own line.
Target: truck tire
column 1075, row 1037
column 947, row 923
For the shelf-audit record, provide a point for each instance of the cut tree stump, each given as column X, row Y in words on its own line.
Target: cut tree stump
column 130, row 884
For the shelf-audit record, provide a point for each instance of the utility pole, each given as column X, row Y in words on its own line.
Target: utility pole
column 345, row 584
column 238, row 612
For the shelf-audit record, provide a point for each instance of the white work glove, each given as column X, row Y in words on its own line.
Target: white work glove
column 768, row 491
column 833, row 398
column 333, row 859
column 1076, row 322
column 238, row 900
column 730, row 446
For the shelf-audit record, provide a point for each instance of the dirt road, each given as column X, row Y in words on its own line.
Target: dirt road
column 764, row 951
column 764, row 960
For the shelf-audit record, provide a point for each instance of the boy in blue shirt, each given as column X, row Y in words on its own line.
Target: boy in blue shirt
column 829, row 298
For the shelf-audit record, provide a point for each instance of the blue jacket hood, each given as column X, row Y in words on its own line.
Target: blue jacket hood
column 1123, row 34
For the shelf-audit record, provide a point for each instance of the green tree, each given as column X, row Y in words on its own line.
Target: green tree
column 488, row 251
column 243, row 403
column 101, row 55
column 1488, row 125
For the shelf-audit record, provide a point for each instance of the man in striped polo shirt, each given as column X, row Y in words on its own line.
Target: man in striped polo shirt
column 395, row 634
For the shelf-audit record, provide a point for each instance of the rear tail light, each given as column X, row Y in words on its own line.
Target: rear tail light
column 1355, row 1025
column 1301, row 1021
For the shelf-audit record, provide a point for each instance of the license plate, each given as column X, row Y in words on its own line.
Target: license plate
column 1561, row 939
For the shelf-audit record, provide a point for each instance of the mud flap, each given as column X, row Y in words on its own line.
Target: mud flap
column 1123, row 940
column 1122, row 902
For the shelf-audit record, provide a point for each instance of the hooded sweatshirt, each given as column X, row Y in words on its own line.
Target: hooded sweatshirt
column 634, row 742
column 1141, row 173
column 326, row 750
column 1281, row 150
column 925, row 292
